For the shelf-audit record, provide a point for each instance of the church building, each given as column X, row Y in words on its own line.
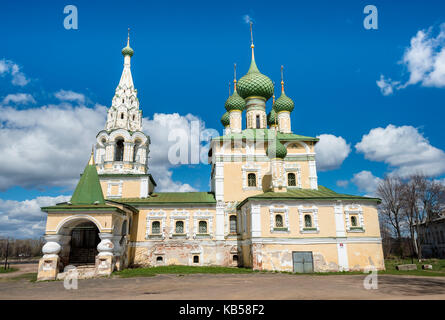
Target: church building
column 265, row 210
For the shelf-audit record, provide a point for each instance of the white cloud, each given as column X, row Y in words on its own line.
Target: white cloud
column 46, row 146
column 24, row 219
column 68, row 95
column 22, row 98
column 386, row 85
column 8, row 67
column 424, row 60
column 366, row 181
column 342, row 183
column 159, row 129
column 331, row 151
column 405, row 149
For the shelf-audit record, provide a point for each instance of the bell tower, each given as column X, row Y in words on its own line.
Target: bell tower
column 122, row 148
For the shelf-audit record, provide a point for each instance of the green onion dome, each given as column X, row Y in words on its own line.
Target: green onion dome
column 127, row 51
column 276, row 149
column 272, row 118
column 235, row 102
column 283, row 103
column 255, row 84
column 225, row 119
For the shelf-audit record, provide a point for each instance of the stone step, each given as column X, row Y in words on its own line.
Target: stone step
column 83, row 271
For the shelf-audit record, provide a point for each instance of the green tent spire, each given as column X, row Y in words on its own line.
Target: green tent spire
column 88, row 190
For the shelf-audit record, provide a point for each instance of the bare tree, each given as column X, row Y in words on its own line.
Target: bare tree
column 390, row 190
column 423, row 200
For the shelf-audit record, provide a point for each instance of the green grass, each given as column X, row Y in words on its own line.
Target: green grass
column 438, row 267
column 438, row 270
column 181, row 270
column 26, row 276
column 3, row 270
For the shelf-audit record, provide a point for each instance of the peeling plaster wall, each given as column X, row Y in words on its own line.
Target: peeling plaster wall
column 279, row 257
column 361, row 256
column 177, row 252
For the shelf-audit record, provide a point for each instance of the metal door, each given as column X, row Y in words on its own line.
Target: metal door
column 303, row 261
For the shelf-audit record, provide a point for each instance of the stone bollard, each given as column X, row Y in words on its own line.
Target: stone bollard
column 49, row 263
column 406, row 267
column 105, row 259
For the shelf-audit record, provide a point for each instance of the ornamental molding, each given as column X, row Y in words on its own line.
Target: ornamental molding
column 202, row 216
column 296, row 169
column 284, row 211
column 354, row 209
column 251, row 167
column 156, row 215
column 112, row 183
column 179, row 215
column 313, row 211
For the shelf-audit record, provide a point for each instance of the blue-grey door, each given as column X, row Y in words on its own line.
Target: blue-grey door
column 303, row 261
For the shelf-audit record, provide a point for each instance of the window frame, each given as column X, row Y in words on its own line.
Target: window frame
column 313, row 212
column 249, row 175
column 152, row 227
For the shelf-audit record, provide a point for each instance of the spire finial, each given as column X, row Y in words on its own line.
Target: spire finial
column 251, row 39
column 128, row 39
column 91, row 162
column 234, row 77
column 282, row 79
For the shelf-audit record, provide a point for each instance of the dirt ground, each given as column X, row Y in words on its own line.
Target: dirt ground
column 253, row 286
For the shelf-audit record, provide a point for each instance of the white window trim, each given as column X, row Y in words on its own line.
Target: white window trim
column 202, row 216
column 178, row 215
column 195, row 252
column 355, row 210
column 313, row 211
column 296, row 169
column 119, row 192
column 251, row 168
column 155, row 216
column 284, row 211
column 230, row 210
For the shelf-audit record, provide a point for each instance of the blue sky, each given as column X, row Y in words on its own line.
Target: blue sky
column 184, row 55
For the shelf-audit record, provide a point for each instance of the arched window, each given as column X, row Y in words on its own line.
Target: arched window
column 232, row 224
column 195, row 259
column 251, row 180
column 156, row 227
column 353, row 221
column 258, row 124
column 235, row 258
column 179, row 227
column 135, row 150
column 122, row 114
column 202, row 227
column 307, row 221
column 159, row 259
column 279, row 221
column 119, row 153
column 291, row 180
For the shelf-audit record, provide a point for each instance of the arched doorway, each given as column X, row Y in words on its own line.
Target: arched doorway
column 84, row 241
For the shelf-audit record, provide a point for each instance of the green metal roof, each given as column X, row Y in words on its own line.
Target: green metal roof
column 81, row 207
column 322, row 193
column 166, row 198
column 88, row 190
column 264, row 134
